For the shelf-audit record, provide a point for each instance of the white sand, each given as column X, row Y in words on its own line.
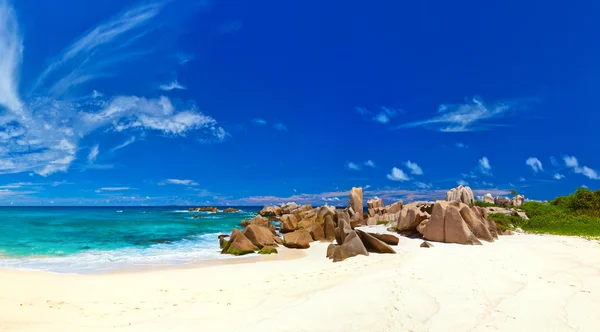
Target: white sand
column 520, row 283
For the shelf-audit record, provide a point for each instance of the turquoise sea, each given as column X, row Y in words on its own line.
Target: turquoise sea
column 104, row 239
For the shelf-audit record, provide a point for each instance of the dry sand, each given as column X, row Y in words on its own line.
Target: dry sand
column 519, row 283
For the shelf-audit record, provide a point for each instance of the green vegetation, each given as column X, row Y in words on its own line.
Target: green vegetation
column 382, row 223
column 504, row 222
column 484, row 204
column 577, row 214
column 267, row 251
column 237, row 252
column 514, row 192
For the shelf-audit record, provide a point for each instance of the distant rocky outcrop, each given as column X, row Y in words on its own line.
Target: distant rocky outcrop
column 231, row 210
column 488, row 198
column 518, row 200
column 204, row 209
column 461, row 194
column 502, row 201
column 379, row 214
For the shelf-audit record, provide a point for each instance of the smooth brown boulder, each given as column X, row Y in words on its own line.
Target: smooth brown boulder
column 462, row 194
column 258, row 220
column 475, row 224
column 341, row 214
column 375, row 245
column 375, row 203
column 411, row 220
column 456, row 229
column 508, row 232
column 352, row 246
column 435, row 228
column 387, row 238
column 231, row 210
column 329, row 229
column 270, row 211
column 317, row 231
column 259, row 236
column 426, row 244
column 238, row 244
column 394, row 208
column 330, row 250
column 342, row 230
column 289, row 223
column 355, row 202
column 299, row 239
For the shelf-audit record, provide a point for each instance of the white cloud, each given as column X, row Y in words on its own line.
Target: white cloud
column 398, row 175
column 423, row 185
column 370, row 163
column 41, row 134
column 94, row 151
column 462, row 183
column 414, row 168
column 113, row 34
column 124, row 144
column 484, row 166
column 558, row 176
column 260, row 122
column 113, row 189
column 461, row 146
column 384, row 116
column 572, row 162
column 181, row 182
column 352, row 166
column 554, row 162
column 471, row 116
column 535, row 164
column 280, row 127
column 172, row 86
column 522, row 179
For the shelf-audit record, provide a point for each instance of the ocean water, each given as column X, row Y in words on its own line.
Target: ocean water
column 103, row 239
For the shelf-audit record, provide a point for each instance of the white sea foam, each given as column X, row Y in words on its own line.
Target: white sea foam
column 203, row 247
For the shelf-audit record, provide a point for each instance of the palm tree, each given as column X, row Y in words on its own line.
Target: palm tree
column 514, row 192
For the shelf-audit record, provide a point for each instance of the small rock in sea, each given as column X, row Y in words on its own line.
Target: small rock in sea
column 426, row 244
column 196, row 216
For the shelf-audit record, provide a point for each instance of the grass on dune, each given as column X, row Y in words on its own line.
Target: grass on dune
column 577, row 215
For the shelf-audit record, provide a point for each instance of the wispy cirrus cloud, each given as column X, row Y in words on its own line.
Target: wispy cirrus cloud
column 94, row 151
column 558, row 176
column 471, row 116
column 353, row 166
column 171, row 86
column 99, row 190
column 259, row 122
column 414, row 168
column 370, row 163
column 573, row 163
column 461, row 145
column 535, row 164
column 124, row 144
column 384, row 115
column 181, row 182
column 42, row 133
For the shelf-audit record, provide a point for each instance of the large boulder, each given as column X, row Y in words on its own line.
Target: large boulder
column 456, row 230
column 258, row 220
column 299, row 239
column 288, row 208
column 238, row 244
column 222, row 241
column 481, row 213
column 411, row 219
column 394, row 208
column 488, row 198
column 329, row 228
column 270, row 211
column 390, row 239
column 352, row 246
column 462, row 194
column 342, row 230
column 289, row 223
column 375, row 203
column 475, row 224
column 231, row 210
column 435, row 228
column 317, row 231
column 259, row 236
column 518, row 200
column 373, row 244
column 355, row 202
column 502, row 201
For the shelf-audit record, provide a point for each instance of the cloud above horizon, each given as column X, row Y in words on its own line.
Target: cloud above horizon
column 474, row 115
column 398, row 174
column 573, row 163
column 484, row 166
column 42, row 134
column 384, row 115
column 414, row 168
column 535, row 164
column 172, row 86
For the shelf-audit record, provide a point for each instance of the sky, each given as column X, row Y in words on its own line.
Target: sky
column 206, row 102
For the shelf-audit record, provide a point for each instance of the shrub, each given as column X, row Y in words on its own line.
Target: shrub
column 504, row 222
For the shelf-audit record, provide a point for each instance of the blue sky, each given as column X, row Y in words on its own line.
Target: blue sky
column 253, row 102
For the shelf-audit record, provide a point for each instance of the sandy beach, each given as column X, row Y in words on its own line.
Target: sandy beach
column 519, row 283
